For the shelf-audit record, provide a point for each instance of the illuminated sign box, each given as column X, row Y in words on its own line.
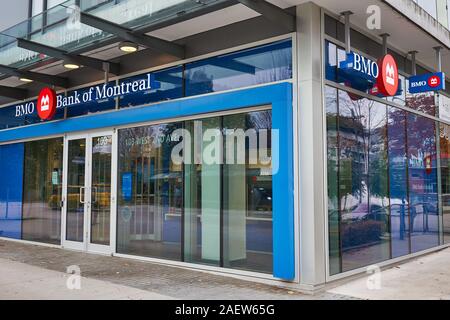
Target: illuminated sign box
column 379, row 78
column 360, row 72
column 427, row 82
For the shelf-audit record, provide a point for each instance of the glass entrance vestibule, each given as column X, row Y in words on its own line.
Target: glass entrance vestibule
column 200, row 189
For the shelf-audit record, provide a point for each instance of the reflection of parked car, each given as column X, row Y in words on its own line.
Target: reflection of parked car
column 378, row 213
column 262, row 198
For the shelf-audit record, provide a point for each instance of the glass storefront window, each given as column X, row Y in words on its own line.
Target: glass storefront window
column 363, row 182
column 423, row 102
column 42, row 191
column 268, row 63
column 383, row 185
column 247, row 193
column 444, row 138
column 385, row 172
column 398, row 182
column 203, row 191
column 203, row 209
column 423, row 184
column 149, row 194
column 168, row 85
column 333, row 184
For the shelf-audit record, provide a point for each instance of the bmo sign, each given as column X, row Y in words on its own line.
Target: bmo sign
column 359, row 71
column 46, row 104
column 427, row 82
column 387, row 81
column 25, row 109
column 364, row 74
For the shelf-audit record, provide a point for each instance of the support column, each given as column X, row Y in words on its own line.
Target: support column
column 311, row 146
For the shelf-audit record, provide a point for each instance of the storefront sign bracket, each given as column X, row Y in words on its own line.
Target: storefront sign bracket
column 106, row 67
column 438, row 58
column 413, row 62
column 348, row 45
column 385, row 37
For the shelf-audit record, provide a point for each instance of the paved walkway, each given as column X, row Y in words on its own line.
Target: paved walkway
column 423, row 278
column 22, row 281
column 36, row 272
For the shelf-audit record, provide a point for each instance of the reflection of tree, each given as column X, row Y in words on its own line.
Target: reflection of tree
column 397, row 154
column 423, row 102
column 362, row 124
column 200, row 82
column 260, row 120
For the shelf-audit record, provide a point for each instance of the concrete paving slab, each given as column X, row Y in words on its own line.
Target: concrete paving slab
column 119, row 276
column 424, row 278
column 22, row 281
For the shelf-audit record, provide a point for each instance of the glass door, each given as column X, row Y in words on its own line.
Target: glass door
column 88, row 192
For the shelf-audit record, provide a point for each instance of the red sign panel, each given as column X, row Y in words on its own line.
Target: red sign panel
column 387, row 81
column 434, row 81
column 46, row 104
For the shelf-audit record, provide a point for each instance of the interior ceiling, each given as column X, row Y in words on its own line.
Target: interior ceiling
column 405, row 36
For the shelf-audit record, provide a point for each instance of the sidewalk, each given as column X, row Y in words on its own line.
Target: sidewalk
column 423, row 278
column 36, row 272
column 22, row 281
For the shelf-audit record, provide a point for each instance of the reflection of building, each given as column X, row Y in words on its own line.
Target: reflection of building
column 364, row 184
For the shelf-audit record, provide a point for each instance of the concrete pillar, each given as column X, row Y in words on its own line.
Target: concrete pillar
column 311, row 146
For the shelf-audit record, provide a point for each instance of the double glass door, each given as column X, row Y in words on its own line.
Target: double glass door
column 88, row 196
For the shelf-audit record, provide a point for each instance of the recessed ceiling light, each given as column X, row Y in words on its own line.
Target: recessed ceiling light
column 71, row 65
column 25, row 80
column 128, row 47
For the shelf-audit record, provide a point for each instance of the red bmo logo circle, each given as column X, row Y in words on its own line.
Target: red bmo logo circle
column 434, row 81
column 388, row 76
column 46, row 104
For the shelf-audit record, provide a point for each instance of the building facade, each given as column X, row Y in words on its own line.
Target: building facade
column 228, row 136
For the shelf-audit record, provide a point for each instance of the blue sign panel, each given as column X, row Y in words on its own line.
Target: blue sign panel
column 427, row 82
column 127, row 179
column 360, row 72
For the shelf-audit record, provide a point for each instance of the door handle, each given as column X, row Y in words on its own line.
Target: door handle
column 94, row 198
column 82, row 194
